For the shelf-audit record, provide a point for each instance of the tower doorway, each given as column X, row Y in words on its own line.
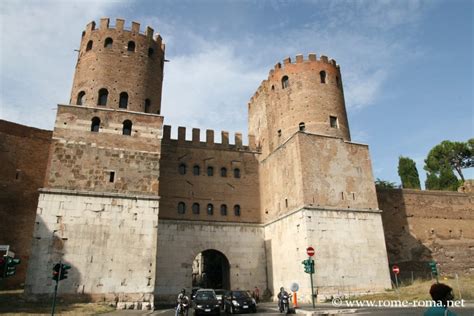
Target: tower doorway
column 211, row 269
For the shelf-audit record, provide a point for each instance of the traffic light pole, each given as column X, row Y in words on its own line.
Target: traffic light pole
column 311, row 277
column 56, row 288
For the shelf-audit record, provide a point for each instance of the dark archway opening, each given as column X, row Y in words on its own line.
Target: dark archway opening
column 211, row 269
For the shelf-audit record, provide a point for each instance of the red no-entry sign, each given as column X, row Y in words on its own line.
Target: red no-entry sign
column 310, row 251
column 396, row 269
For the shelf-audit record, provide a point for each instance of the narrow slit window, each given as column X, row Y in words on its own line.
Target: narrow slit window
column 236, row 173
column 150, row 52
column 147, row 105
column 81, row 98
column 89, row 46
column 108, row 42
column 302, row 127
column 338, row 83
column 224, row 210
column 123, row 101
column 237, row 210
column 182, row 168
column 196, row 208
column 181, row 208
column 127, row 128
column 131, row 46
column 333, row 121
column 210, row 209
column 322, row 75
column 223, row 172
column 285, row 82
column 95, row 124
column 103, row 95
column 112, row 176
column 210, row 171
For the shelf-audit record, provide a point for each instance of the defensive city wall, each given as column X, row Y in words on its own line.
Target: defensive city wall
column 419, row 226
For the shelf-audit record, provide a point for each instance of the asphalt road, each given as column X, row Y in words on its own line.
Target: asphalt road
column 269, row 310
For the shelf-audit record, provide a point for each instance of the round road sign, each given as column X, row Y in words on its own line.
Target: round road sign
column 310, row 251
column 294, row 287
column 396, row 269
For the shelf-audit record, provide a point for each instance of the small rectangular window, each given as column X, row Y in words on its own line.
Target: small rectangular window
column 333, row 121
column 18, row 174
column 112, row 176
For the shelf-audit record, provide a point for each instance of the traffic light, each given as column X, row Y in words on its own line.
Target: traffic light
column 433, row 267
column 10, row 266
column 56, row 270
column 60, row 271
column 64, row 271
column 308, row 265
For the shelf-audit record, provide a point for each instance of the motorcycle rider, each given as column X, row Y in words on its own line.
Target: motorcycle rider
column 280, row 296
column 183, row 302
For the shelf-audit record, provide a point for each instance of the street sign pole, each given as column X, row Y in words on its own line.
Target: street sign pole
column 310, row 252
column 56, row 288
column 312, row 287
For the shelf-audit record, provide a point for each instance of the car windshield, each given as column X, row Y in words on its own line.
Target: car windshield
column 205, row 295
column 241, row 294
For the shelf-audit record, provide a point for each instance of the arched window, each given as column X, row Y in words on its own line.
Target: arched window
column 103, row 94
column 123, row 101
column 237, row 210
column 322, row 75
column 223, row 172
column 236, row 173
column 131, row 46
column 196, row 208
column 210, row 209
column 95, row 124
column 150, row 52
column 196, row 170
column 285, row 82
column 81, row 97
column 89, row 46
column 273, row 87
column 182, row 168
column 147, row 105
column 108, row 42
column 127, row 128
column 210, row 171
column 302, row 127
column 181, row 208
column 224, row 210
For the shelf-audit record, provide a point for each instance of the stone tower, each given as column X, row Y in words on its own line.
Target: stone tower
column 98, row 209
column 316, row 186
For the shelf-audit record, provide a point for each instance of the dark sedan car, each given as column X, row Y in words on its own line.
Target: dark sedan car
column 239, row 302
column 205, row 302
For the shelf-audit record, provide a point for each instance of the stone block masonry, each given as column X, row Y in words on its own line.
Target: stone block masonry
column 108, row 239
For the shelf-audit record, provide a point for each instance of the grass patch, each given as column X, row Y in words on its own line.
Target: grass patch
column 14, row 303
column 420, row 289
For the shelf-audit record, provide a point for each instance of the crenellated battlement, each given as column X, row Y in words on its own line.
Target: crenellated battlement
column 132, row 31
column 311, row 62
column 195, row 140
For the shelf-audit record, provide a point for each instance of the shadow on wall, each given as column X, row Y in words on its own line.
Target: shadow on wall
column 268, row 292
column 403, row 248
column 48, row 249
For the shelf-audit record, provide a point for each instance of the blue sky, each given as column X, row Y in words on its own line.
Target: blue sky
column 407, row 66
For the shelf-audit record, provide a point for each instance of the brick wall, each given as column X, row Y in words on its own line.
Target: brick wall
column 428, row 225
column 23, row 156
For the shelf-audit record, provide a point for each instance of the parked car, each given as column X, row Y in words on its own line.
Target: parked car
column 239, row 302
column 220, row 296
column 205, row 302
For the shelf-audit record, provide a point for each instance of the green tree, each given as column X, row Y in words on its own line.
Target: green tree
column 408, row 173
column 382, row 184
column 453, row 155
column 442, row 180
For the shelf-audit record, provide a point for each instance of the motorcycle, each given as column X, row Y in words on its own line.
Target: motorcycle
column 182, row 309
column 285, row 303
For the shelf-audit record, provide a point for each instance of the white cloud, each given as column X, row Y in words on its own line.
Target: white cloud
column 37, row 59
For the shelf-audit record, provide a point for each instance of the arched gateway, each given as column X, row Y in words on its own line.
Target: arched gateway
column 211, row 269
